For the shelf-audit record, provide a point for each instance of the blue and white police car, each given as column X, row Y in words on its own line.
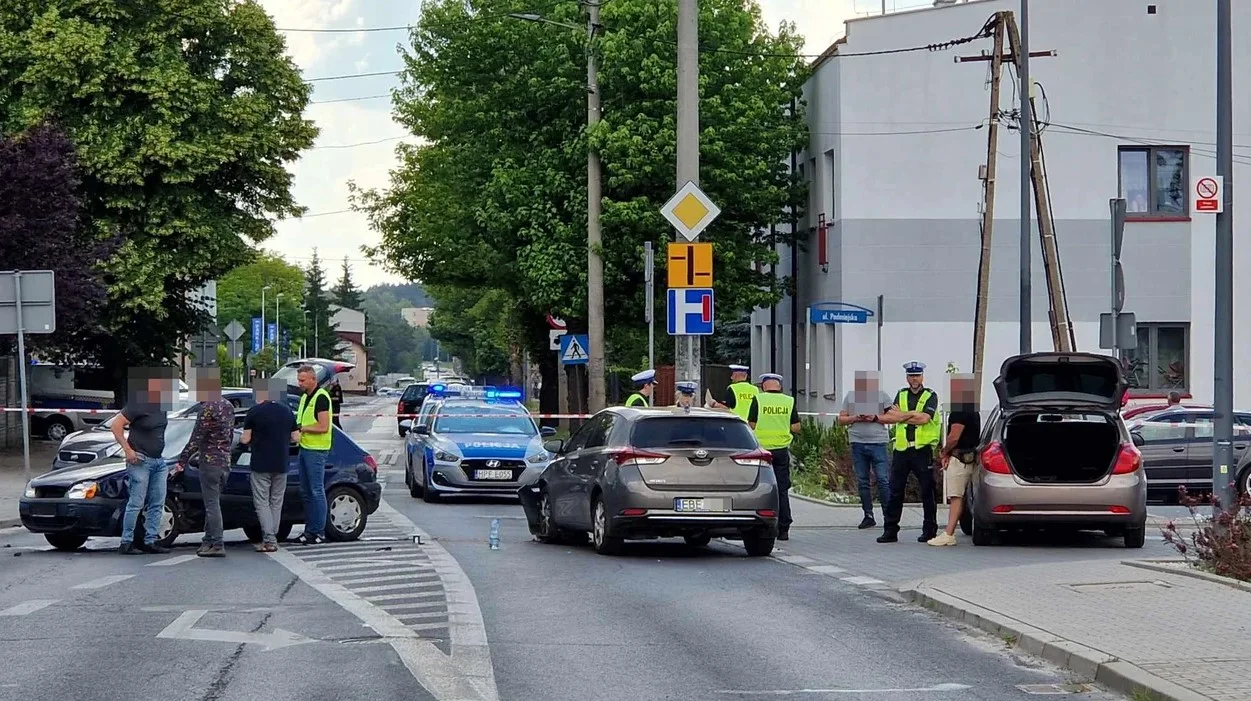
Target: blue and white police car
column 472, row 441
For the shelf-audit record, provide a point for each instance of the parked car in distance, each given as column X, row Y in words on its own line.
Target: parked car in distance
column 410, row 404
column 1056, row 453
column 1177, row 451
column 645, row 473
column 1146, row 411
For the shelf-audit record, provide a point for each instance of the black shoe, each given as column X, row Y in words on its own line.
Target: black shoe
column 310, row 539
column 888, row 538
column 127, row 549
column 784, row 535
column 868, row 522
column 153, row 549
column 926, row 538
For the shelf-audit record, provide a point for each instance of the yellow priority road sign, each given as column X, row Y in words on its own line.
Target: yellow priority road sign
column 690, row 211
column 690, row 265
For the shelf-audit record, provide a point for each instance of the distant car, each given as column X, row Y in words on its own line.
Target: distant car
column 1055, row 452
column 1144, row 411
column 640, row 473
column 470, row 444
column 410, row 403
column 69, row 506
column 326, row 371
column 1177, row 450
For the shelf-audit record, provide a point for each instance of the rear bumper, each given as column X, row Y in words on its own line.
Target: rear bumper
column 672, row 524
column 373, row 495
column 663, row 520
column 86, row 517
column 1007, row 501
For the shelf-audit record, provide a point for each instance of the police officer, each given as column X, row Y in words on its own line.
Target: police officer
column 739, row 394
column 685, row 394
column 775, row 420
column 646, row 382
column 917, row 433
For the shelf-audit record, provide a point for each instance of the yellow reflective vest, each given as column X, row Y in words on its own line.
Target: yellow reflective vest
column 744, row 392
column 637, row 399
column 927, row 434
column 306, row 415
column 773, row 420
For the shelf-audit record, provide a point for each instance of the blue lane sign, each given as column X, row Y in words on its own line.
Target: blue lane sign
column 256, row 334
column 838, row 313
column 574, row 349
column 691, row 311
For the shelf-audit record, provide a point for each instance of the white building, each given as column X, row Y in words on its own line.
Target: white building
column 349, row 328
column 893, row 167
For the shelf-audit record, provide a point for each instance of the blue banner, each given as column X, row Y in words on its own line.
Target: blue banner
column 256, row 334
column 271, row 332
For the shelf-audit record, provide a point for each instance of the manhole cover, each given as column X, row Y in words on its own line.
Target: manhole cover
column 1053, row 689
column 1096, row 587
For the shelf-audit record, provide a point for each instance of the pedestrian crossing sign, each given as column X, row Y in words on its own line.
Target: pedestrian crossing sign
column 573, row 349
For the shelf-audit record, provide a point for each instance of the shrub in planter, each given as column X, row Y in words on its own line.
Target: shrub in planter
column 1221, row 546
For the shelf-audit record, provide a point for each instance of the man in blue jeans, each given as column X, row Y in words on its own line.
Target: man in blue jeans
column 861, row 414
column 146, row 416
column 313, row 421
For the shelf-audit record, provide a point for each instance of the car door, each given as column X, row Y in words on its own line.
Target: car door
column 1201, row 452
column 563, row 483
column 1164, row 452
column 236, row 503
column 590, row 464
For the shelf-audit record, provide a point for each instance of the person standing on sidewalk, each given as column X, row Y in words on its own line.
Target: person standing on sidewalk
column 336, row 402
column 210, row 440
column 862, row 415
column 642, row 397
column 775, row 421
column 145, row 416
column 959, row 453
column 313, row 420
column 269, row 429
column 917, row 434
column 739, row 394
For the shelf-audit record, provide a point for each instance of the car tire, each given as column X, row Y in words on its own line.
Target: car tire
column 601, row 537
column 57, row 429
column 65, row 542
column 428, row 494
column 403, row 433
column 759, row 544
column 346, row 515
column 966, row 515
column 1244, row 481
column 414, row 489
column 1136, row 537
column 697, row 541
column 168, row 533
column 548, row 531
column 982, row 534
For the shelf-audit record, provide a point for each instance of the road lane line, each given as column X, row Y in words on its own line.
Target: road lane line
column 795, row 559
column 103, row 581
column 391, row 587
column 421, row 616
column 382, row 598
column 375, row 562
column 170, row 562
column 794, row 692
column 861, row 580
column 28, row 607
column 395, row 577
column 826, row 569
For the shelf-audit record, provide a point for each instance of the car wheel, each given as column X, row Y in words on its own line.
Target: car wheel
column 345, row 514
column 966, row 515
column 65, row 542
column 57, row 429
column 168, row 531
column 414, row 489
column 759, row 544
column 698, row 541
column 403, row 433
column 605, row 543
column 982, row 535
column 428, row 494
column 1244, row 482
column 548, row 532
column 1136, row 537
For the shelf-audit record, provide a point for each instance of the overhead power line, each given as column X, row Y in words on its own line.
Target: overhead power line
column 349, row 99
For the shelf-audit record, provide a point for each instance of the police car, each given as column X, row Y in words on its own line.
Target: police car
column 472, row 441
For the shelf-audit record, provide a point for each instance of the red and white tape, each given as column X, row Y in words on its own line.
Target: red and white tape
column 353, row 414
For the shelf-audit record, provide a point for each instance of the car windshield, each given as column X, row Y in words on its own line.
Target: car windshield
column 414, row 392
column 683, row 431
column 484, row 419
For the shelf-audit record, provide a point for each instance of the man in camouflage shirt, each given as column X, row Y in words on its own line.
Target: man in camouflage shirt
column 211, row 440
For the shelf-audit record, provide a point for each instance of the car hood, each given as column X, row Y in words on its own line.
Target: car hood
column 491, row 445
column 72, row 475
column 88, row 441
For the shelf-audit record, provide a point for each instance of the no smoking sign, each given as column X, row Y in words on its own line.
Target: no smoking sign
column 1208, row 192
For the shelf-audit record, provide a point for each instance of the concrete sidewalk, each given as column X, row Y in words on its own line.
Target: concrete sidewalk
column 13, row 476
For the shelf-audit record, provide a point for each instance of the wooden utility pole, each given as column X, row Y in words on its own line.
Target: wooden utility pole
column 988, row 212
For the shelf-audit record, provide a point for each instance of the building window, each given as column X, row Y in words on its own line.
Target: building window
column 1160, row 361
column 1155, row 181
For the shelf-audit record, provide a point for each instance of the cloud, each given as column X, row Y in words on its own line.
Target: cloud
column 308, row 48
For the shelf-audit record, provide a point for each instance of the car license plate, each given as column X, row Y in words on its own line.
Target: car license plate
column 698, row 504
column 43, row 509
column 493, row 474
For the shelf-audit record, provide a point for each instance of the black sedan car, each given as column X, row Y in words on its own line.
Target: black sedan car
column 69, row 506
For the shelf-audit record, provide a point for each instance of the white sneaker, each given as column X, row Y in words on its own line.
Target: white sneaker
column 942, row 539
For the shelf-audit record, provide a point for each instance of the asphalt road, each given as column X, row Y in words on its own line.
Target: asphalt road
column 450, row 619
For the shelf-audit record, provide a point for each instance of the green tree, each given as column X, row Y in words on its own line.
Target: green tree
column 494, row 199
column 346, row 293
column 184, row 115
column 322, row 339
column 239, row 295
column 476, row 326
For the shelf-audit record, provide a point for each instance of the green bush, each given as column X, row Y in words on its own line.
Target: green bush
column 824, row 468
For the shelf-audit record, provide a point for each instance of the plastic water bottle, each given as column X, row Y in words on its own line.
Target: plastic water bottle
column 494, row 538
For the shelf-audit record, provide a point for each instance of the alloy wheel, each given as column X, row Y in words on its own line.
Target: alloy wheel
column 345, row 513
column 600, row 525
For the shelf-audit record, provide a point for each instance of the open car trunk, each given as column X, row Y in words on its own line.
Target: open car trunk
column 1048, row 447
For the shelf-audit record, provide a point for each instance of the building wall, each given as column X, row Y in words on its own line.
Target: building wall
column 356, row 379
column 893, row 163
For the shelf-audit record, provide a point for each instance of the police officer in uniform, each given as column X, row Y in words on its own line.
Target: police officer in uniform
column 685, row 396
column 739, row 394
column 646, row 382
column 775, row 420
column 917, row 433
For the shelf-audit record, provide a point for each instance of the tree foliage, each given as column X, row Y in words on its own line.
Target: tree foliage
column 184, row 115
column 41, row 229
column 239, row 296
column 346, row 293
column 322, row 337
column 476, row 326
column 394, row 345
column 494, row 203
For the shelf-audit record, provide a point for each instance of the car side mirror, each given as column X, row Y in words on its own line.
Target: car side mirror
column 547, row 431
column 407, row 424
column 555, row 445
column 422, row 430
column 1137, row 438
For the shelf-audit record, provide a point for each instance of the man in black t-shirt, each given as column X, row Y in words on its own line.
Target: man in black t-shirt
column 959, row 452
column 269, row 429
column 140, row 430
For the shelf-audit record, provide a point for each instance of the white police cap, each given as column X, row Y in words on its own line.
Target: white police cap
column 770, row 376
column 646, row 377
column 739, row 368
column 914, row 367
column 687, row 387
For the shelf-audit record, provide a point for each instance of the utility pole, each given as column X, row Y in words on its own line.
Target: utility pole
column 686, row 353
column 594, row 195
column 794, row 217
column 988, row 211
column 1027, row 134
column 1223, row 356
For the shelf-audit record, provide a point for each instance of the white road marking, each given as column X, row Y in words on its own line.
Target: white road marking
column 826, row 569
column 422, row 577
column 374, row 562
column 182, row 629
column 394, row 587
column 170, row 562
column 419, row 616
column 862, row 580
column 28, row 607
column 795, row 559
column 792, row 692
column 401, row 597
column 400, row 607
column 103, row 581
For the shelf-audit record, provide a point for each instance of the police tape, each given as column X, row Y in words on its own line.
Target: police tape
column 355, row 414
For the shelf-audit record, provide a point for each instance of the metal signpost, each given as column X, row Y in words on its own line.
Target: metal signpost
column 649, row 303
column 1117, row 329
column 690, row 276
column 27, row 305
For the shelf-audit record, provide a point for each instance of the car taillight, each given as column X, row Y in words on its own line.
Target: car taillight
column 373, row 464
column 994, row 459
column 756, row 458
column 641, row 457
column 1128, row 460
column 399, row 407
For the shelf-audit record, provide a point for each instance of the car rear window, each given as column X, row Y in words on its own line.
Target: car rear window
column 1077, row 379
column 415, row 392
column 679, row 431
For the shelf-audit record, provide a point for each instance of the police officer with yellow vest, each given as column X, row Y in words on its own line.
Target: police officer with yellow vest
column 642, row 397
column 917, row 433
column 313, row 420
column 739, row 394
column 775, row 420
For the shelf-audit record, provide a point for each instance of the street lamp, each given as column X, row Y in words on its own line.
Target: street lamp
column 277, row 330
column 594, row 195
column 304, row 343
column 262, row 345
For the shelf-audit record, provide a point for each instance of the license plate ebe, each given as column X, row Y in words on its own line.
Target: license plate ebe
column 697, row 504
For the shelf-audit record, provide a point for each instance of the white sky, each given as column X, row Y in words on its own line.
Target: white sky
column 358, row 138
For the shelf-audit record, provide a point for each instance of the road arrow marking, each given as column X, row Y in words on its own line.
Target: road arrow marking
column 182, row 629
column 28, row 607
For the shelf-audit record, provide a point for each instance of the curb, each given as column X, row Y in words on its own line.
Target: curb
column 1159, row 566
column 824, row 502
column 10, row 522
column 1116, row 674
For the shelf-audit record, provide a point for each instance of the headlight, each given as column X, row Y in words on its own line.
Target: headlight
column 30, row 491
column 441, row 456
column 83, row 490
column 539, row 457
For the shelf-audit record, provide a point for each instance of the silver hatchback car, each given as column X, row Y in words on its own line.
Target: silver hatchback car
column 1055, row 453
column 644, row 473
